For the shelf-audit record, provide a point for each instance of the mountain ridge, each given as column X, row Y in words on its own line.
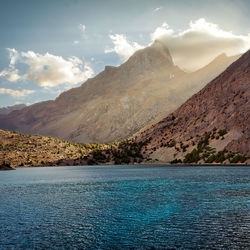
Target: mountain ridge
column 9, row 109
column 118, row 102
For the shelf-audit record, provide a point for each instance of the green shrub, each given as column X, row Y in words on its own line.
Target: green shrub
column 176, row 161
column 230, row 155
column 220, row 156
column 91, row 162
column 222, row 132
column 117, row 161
column 192, row 157
column 171, row 143
column 205, row 155
column 203, row 142
column 99, row 156
column 210, row 159
column 238, row 158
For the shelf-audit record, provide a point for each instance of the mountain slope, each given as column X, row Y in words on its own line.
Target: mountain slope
column 119, row 101
column 214, row 119
column 7, row 110
column 24, row 150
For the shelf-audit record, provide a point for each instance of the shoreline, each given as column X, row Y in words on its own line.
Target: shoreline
column 6, row 168
column 151, row 164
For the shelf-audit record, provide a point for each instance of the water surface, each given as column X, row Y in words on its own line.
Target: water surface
column 123, row 207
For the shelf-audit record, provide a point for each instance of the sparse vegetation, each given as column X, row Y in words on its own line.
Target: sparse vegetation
column 208, row 155
column 30, row 150
column 22, row 150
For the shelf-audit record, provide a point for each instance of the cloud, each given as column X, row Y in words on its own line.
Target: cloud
column 161, row 31
column 76, row 42
column 82, row 27
column 13, row 55
column 46, row 70
column 196, row 46
column 157, row 9
column 13, row 75
column 16, row 93
column 4, row 73
column 122, row 46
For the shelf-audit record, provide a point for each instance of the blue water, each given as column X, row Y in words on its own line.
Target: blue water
column 121, row 207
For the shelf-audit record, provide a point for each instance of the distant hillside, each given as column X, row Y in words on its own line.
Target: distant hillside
column 30, row 150
column 7, row 110
column 212, row 126
column 23, row 150
column 118, row 102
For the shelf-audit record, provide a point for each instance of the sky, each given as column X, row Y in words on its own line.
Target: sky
column 50, row 46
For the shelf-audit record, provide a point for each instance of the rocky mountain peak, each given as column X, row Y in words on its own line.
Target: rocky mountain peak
column 151, row 58
column 162, row 48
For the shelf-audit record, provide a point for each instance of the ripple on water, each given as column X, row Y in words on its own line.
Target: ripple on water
column 125, row 207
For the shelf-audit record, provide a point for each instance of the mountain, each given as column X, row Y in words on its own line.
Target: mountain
column 9, row 109
column 211, row 126
column 118, row 102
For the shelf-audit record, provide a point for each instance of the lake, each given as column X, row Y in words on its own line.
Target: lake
column 121, row 207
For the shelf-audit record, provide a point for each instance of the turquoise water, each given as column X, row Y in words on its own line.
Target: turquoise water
column 121, row 207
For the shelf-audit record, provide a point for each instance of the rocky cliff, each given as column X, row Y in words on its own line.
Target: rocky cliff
column 213, row 124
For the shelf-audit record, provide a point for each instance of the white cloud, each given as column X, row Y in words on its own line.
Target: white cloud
column 76, row 42
column 157, row 9
column 16, row 93
column 122, row 46
column 47, row 70
column 4, row 73
column 11, row 74
column 82, row 27
column 161, row 31
column 13, row 55
column 200, row 43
